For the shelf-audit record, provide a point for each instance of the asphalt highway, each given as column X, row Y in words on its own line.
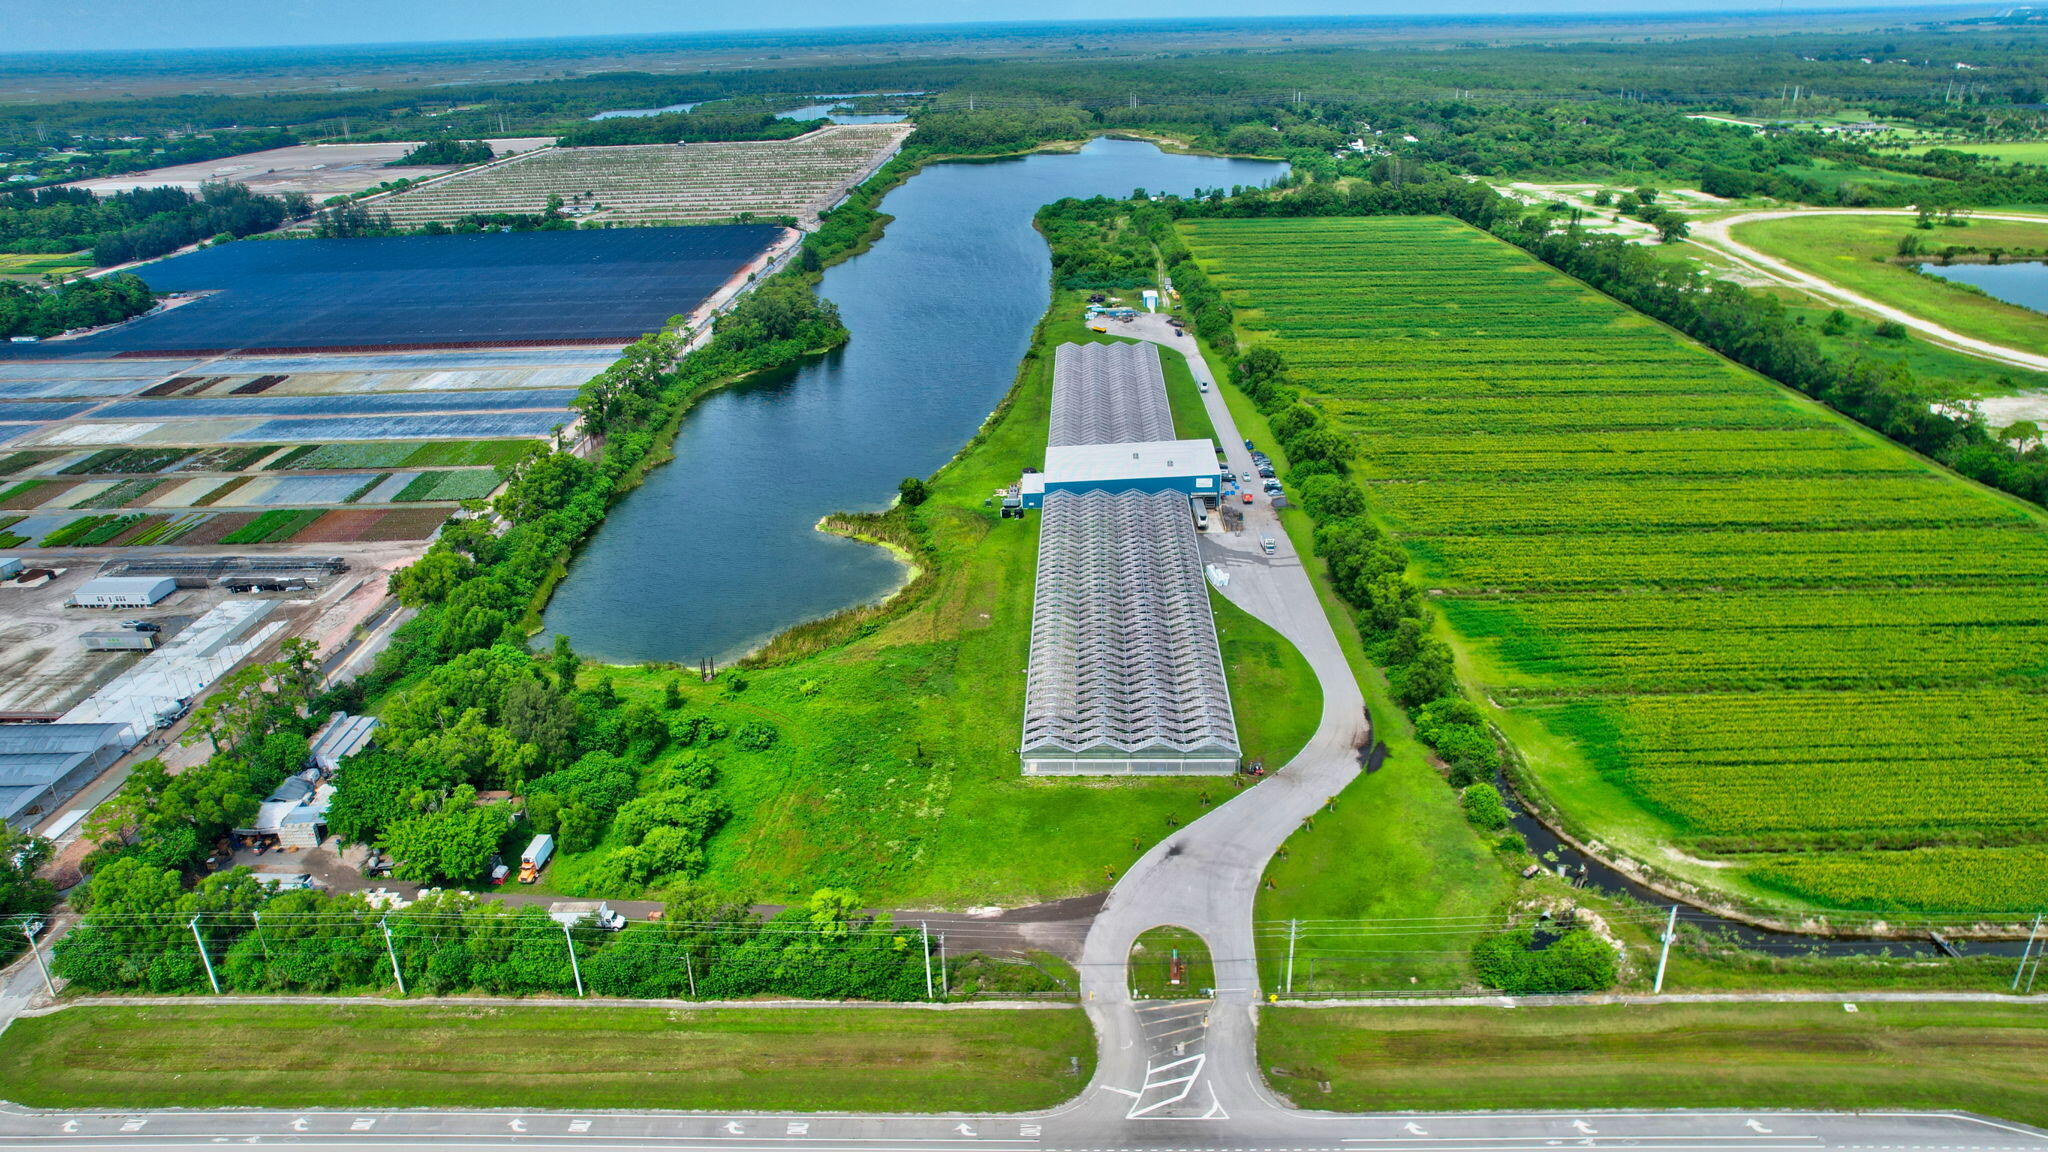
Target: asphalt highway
column 1076, row 1128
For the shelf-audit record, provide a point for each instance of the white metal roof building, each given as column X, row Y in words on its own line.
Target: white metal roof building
column 1126, row 677
column 341, row 737
column 122, row 591
column 1185, row 466
column 1108, row 394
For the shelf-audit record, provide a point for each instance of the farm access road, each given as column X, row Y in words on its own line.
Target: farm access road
column 1171, row 1075
column 1717, row 236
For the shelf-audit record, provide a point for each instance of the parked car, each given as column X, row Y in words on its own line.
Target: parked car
column 1268, row 544
column 1247, row 496
column 1273, row 486
column 142, row 625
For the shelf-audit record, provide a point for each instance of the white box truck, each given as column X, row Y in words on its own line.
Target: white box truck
column 535, row 858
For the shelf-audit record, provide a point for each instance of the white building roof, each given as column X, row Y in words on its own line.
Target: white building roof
column 145, row 587
column 1111, row 463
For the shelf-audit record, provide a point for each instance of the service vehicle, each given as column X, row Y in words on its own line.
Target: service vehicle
column 535, row 858
column 1268, row 545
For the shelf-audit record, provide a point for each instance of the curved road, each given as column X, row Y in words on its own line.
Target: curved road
column 1172, row 1076
column 1205, row 876
column 1717, row 236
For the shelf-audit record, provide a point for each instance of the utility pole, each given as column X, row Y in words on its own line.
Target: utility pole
column 1670, row 930
column 29, row 930
column 256, row 918
column 690, row 972
column 925, row 930
column 2027, row 953
column 1293, row 930
column 943, row 990
column 574, row 967
column 203, row 957
column 392, row 949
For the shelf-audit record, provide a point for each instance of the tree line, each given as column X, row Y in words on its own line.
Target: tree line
column 29, row 310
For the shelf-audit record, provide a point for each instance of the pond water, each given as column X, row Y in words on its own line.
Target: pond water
column 624, row 113
column 716, row 551
column 2023, row 284
column 821, row 111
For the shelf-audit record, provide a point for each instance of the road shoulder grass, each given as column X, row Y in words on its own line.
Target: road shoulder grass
column 1985, row 1058
column 565, row 1056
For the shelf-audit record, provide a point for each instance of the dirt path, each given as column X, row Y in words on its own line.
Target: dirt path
column 1717, row 236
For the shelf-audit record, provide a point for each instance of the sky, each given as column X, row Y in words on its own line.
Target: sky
column 80, row 25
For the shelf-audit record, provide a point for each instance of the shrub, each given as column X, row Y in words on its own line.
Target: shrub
column 1577, row 961
column 1483, row 807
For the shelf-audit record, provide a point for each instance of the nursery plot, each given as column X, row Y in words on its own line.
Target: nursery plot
column 592, row 285
column 663, row 182
column 459, row 425
column 1728, row 620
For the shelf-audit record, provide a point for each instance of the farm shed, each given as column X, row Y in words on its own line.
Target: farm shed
column 295, row 815
column 43, row 765
column 122, row 591
column 341, row 737
column 118, row 640
column 1186, row 467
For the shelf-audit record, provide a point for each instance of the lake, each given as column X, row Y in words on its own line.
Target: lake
column 716, row 552
column 2023, row 284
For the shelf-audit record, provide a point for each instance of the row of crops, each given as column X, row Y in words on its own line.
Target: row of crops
column 1730, row 622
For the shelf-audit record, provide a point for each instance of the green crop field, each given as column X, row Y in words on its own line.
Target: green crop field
column 1731, row 633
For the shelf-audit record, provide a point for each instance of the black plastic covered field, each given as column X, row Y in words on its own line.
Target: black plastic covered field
column 590, row 285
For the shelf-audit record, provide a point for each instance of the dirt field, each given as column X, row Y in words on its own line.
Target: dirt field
column 319, row 170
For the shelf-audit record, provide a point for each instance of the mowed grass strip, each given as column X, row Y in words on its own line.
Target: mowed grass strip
column 1986, row 1058
column 1536, row 448
column 569, row 1056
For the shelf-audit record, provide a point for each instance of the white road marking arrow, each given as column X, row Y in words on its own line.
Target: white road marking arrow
column 71, row 1125
column 964, row 1129
column 1756, row 1127
column 734, row 1127
column 516, row 1125
column 299, row 1125
column 1412, row 1126
column 1582, row 1126
column 362, row 1124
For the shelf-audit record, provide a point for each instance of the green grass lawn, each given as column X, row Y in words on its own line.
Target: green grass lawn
column 895, row 769
column 1852, row 251
column 1155, row 954
column 292, row 1056
column 1988, row 1058
column 2013, row 152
